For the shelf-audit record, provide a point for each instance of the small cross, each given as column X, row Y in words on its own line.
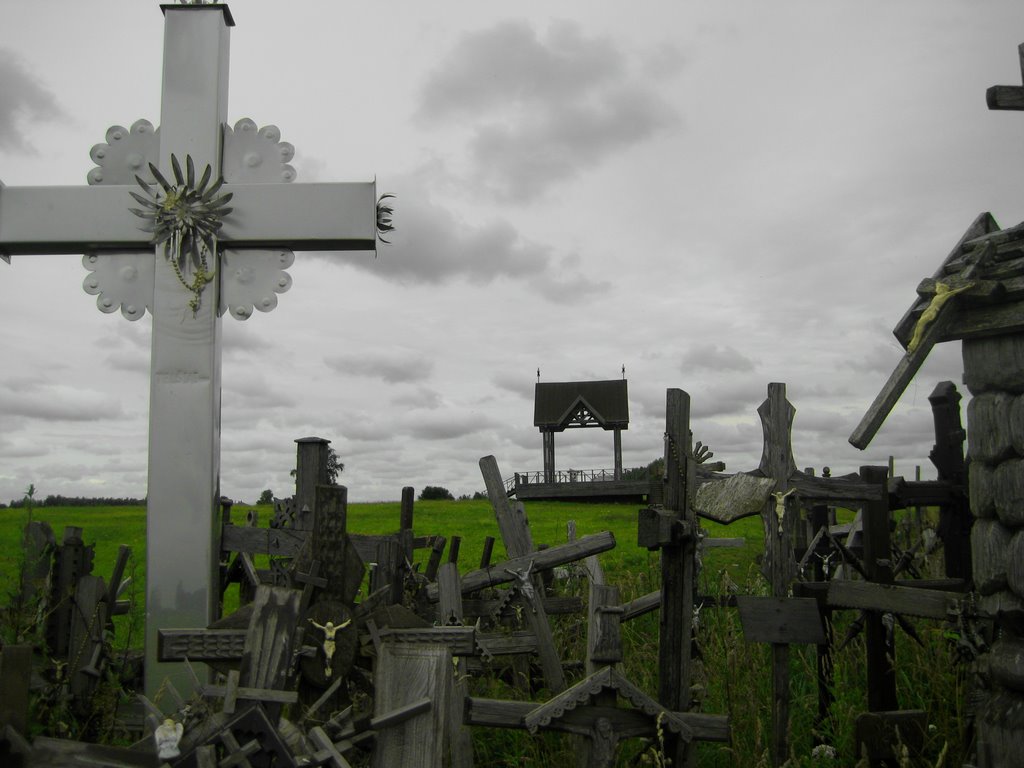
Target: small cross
column 1008, row 96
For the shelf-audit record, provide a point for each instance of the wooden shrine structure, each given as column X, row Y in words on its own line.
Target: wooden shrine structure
column 562, row 405
column 976, row 296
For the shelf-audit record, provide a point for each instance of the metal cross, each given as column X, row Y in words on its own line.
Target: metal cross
column 267, row 220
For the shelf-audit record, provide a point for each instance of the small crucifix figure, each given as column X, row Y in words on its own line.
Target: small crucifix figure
column 251, row 247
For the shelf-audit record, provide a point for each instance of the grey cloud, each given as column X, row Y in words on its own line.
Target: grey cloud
column 449, row 425
column 541, row 111
column 50, row 402
column 569, row 289
column 516, row 383
column 422, row 397
column 431, row 246
column 253, row 391
column 394, row 369
column 880, row 359
column 713, row 357
column 509, row 63
column 735, row 397
column 520, row 162
column 24, row 98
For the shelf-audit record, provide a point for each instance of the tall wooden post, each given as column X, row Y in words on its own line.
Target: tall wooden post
column 310, row 470
column 618, row 453
column 677, row 571
column 947, row 455
column 881, row 669
column 778, row 464
column 549, row 456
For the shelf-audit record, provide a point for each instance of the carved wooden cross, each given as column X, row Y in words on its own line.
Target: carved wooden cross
column 184, row 425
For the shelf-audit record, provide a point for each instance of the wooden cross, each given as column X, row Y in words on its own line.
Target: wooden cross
column 1008, row 96
column 674, row 531
column 928, row 321
column 184, row 424
column 515, row 532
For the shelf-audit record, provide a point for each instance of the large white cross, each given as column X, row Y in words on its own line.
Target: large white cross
column 182, row 519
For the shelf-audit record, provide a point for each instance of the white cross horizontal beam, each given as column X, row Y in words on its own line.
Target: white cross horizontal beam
column 300, row 217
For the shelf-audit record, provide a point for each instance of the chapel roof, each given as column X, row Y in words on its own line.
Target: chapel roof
column 556, row 403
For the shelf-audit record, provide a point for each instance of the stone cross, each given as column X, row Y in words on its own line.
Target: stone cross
column 250, row 253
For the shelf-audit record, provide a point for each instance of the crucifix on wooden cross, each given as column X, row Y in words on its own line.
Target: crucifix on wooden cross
column 251, row 249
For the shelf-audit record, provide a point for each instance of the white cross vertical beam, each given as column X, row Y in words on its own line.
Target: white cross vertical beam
column 184, row 409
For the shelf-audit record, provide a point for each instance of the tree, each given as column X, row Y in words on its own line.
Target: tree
column 334, row 466
column 267, row 497
column 436, row 493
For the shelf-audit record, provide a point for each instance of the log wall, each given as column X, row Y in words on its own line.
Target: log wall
column 994, row 374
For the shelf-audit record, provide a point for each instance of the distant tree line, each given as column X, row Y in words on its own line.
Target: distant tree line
column 56, row 500
column 654, row 470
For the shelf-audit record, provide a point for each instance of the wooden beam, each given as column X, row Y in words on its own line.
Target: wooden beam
column 889, row 598
column 498, row 713
column 560, row 554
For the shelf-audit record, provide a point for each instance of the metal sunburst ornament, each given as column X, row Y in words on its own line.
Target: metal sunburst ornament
column 185, row 217
column 384, row 213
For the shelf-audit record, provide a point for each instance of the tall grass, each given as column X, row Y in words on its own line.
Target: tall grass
column 733, row 676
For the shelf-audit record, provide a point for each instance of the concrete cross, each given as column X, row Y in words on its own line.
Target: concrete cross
column 182, row 524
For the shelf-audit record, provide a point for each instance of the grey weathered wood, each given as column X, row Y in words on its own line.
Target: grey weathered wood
column 1006, row 662
column 406, row 674
column 777, row 463
column 339, row 560
column 434, row 561
column 604, row 636
column 911, row 362
column 890, row 598
column 641, row 605
column 560, row 554
column 555, row 606
column 783, row 620
column 1007, row 491
column 500, row 713
column 201, row 644
column 86, row 643
column 310, row 470
column 1015, row 563
column 736, row 497
column 515, row 534
column 677, row 572
column 988, row 415
column 449, row 607
column 990, row 542
column 880, row 651
column 279, row 542
column 994, row 363
column 268, row 659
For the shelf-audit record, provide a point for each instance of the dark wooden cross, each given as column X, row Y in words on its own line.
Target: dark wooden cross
column 515, row 533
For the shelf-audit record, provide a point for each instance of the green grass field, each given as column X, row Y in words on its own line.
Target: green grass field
column 734, row 675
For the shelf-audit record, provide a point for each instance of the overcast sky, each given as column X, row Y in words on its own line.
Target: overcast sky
column 714, row 195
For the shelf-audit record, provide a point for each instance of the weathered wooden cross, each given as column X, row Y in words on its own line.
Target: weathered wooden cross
column 251, row 250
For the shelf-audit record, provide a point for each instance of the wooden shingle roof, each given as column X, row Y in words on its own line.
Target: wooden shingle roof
column 555, row 404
